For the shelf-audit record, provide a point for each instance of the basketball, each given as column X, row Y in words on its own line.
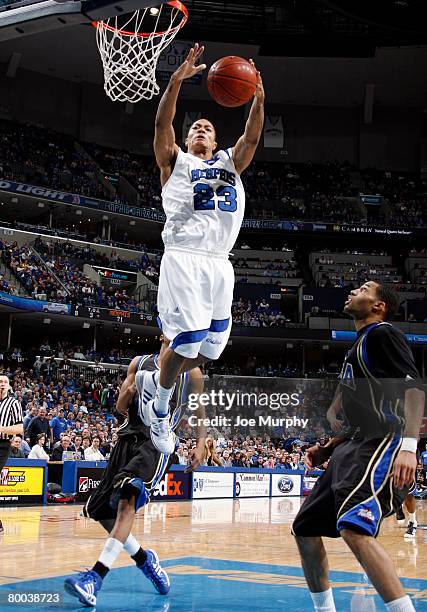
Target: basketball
column 232, row 81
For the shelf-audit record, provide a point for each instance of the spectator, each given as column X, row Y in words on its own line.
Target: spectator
column 15, row 448
column 226, row 461
column 78, row 447
column 32, row 410
column 237, row 461
column 58, row 425
column 59, row 449
column 38, row 424
column 92, row 453
column 182, row 460
column 38, row 452
column 211, row 457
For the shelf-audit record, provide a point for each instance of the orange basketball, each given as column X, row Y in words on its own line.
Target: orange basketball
column 232, row 81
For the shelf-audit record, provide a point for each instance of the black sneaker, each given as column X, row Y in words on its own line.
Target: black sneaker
column 410, row 532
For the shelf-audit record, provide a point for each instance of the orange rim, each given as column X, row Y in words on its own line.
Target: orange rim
column 174, row 3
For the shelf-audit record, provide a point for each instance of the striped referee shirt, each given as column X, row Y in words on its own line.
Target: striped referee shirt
column 10, row 414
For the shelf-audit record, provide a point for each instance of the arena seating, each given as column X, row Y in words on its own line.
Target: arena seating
column 309, row 191
column 42, row 157
column 265, row 266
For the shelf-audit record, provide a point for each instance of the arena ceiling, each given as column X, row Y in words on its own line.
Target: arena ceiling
column 311, row 28
column 310, row 51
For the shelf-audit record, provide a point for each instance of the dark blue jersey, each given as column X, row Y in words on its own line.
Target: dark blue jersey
column 375, row 374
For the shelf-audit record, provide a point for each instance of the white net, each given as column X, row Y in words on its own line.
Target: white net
column 130, row 48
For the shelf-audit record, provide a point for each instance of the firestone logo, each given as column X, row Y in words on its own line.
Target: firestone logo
column 86, row 483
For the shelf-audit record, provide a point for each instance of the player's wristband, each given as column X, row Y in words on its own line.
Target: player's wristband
column 409, row 444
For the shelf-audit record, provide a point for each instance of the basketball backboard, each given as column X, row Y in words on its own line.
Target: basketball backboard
column 21, row 18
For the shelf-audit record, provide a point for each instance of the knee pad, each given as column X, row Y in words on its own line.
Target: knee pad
column 128, row 488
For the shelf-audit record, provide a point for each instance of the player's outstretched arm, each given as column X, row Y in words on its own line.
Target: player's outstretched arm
column 246, row 146
column 195, row 387
column 165, row 147
column 128, row 389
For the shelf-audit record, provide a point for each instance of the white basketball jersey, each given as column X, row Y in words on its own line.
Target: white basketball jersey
column 204, row 202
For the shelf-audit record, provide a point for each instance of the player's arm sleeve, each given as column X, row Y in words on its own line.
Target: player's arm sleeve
column 391, row 357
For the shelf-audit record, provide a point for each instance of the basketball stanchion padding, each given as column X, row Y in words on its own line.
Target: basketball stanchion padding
column 130, row 47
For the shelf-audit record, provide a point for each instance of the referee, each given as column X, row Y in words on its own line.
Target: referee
column 11, row 422
column 373, row 464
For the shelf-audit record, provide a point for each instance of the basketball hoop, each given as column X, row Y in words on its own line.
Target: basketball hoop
column 130, row 48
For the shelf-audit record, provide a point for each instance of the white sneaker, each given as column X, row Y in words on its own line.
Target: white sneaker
column 162, row 436
column 146, row 385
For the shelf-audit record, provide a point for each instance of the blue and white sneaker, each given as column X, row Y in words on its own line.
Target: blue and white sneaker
column 85, row 587
column 154, row 572
column 162, row 436
column 146, row 385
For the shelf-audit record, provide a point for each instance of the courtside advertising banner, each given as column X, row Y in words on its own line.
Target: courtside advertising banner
column 212, row 484
column 308, row 483
column 173, row 486
column 252, row 484
column 88, row 480
column 21, row 485
column 287, row 485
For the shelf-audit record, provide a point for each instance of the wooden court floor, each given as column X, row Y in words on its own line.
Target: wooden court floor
column 45, row 542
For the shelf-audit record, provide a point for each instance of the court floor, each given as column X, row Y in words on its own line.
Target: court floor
column 220, row 554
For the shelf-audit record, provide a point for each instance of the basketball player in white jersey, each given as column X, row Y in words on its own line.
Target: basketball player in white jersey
column 204, row 201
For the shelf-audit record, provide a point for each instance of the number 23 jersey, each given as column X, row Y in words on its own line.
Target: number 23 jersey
column 204, row 202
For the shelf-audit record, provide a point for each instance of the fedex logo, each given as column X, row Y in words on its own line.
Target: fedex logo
column 170, row 486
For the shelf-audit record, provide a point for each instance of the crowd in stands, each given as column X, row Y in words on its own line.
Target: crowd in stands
column 301, row 191
column 250, row 452
column 6, row 286
column 38, row 156
column 55, row 273
column 306, row 191
column 328, row 272
column 257, row 314
column 83, row 233
column 405, row 193
column 65, row 413
column 278, row 269
column 72, row 414
column 141, row 172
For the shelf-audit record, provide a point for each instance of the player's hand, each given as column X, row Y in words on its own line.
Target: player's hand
column 188, row 68
column 404, row 469
column 195, row 458
column 336, row 424
column 259, row 91
column 316, row 455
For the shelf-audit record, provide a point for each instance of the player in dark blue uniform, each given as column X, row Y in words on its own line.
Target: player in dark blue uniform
column 134, row 469
column 372, row 463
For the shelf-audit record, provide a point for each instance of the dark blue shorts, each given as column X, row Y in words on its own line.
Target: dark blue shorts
column 356, row 491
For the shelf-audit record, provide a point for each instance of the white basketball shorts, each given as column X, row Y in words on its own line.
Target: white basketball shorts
column 194, row 302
